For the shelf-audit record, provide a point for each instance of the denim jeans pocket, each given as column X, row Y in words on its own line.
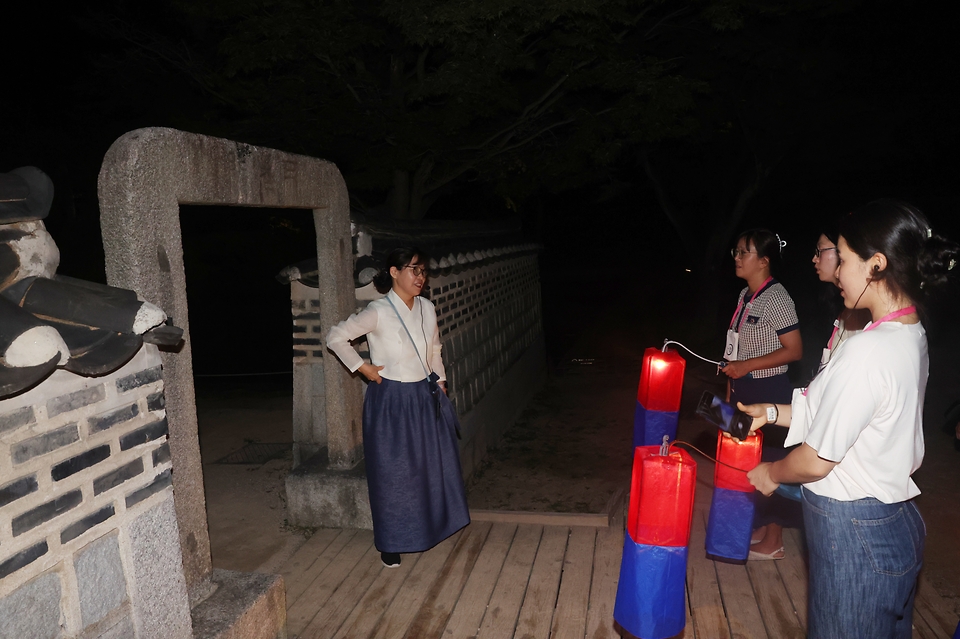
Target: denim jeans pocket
column 890, row 543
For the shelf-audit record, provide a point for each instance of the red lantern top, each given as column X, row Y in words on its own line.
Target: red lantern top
column 739, row 454
column 661, row 497
column 661, row 380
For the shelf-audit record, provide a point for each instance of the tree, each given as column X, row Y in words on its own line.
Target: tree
column 412, row 98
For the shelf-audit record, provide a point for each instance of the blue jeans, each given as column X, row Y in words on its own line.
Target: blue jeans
column 864, row 559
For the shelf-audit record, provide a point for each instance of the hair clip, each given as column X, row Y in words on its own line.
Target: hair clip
column 780, row 242
column 929, row 232
column 951, row 265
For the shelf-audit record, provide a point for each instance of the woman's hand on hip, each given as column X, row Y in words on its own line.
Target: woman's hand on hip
column 371, row 372
column 736, row 369
column 760, row 478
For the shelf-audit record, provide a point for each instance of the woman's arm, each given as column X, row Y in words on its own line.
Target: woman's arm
column 339, row 336
column 791, row 350
column 436, row 361
column 801, row 466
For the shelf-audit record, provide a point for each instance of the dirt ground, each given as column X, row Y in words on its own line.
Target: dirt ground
column 569, row 452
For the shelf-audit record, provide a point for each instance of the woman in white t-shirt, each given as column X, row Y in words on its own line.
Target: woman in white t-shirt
column 859, row 429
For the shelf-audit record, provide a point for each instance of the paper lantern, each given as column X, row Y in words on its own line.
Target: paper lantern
column 731, row 508
column 658, row 397
column 739, row 454
column 650, row 594
column 661, row 497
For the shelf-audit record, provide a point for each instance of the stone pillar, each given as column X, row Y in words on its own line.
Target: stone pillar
column 146, row 175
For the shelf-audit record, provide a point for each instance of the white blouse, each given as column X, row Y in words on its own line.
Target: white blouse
column 390, row 346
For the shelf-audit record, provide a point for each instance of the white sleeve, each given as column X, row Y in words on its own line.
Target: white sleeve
column 339, row 336
column 852, row 395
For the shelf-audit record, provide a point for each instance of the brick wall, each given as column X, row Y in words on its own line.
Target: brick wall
column 88, row 537
column 489, row 316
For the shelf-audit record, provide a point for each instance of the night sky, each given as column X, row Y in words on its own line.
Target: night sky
column 844, row 105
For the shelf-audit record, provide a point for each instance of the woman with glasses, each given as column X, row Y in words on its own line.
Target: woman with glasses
column 849, row 321
column 410, row 428
column 859, row 429
column 763, row 338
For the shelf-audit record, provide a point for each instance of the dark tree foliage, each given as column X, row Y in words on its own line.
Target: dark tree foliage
column 415, row 98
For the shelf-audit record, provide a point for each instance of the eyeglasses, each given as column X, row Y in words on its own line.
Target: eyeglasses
column 738, row 252
column 817, row 251
column 417, row 270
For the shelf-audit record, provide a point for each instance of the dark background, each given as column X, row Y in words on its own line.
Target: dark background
column 863, row 108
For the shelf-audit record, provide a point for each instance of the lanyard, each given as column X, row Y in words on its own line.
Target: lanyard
column 894, row 315
column 742, row 306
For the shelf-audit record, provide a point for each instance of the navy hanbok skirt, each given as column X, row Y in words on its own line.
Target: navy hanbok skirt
column 413, row 466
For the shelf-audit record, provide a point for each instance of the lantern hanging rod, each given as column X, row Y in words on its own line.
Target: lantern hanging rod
column 667, row 342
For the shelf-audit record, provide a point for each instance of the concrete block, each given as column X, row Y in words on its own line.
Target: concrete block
column 75, row 400
column 158, row 589
column 116, row 477
column 17, row 418
column 82, row 461
column 76, row 529
column 163, row 480
column 320, row 496
column 43, row 444
column 100, row 579
column 16, row 489
column 148, row 433
column 107, row 420
column 244, row 606
column 123, row 629
column 33, row 610
column 23, row 558
column 140, row 378
column 45, row 512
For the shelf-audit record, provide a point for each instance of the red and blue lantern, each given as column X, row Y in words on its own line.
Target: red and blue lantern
column 650, row 594
column 658, row 397
column 732, row 507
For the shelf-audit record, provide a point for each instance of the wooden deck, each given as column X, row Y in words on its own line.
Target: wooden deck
column 533, row 577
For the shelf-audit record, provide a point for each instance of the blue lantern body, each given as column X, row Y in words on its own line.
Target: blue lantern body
column 650, row 601
column 649, row 426
column 729, row 525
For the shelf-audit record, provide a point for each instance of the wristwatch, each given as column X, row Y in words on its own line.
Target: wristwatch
column 772, row 414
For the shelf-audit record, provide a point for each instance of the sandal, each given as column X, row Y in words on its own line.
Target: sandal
column 779, row 553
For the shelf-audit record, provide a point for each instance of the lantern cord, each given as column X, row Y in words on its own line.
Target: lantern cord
column 667, row 342
column 713, row 459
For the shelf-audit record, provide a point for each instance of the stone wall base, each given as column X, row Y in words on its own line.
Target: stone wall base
column 246, row 605
column 318, row 496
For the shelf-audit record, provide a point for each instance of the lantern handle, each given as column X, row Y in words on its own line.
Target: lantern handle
column 667, row 342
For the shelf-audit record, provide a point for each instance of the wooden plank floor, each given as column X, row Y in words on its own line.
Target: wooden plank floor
column 517, row 578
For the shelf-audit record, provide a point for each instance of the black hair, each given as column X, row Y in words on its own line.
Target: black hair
column 399, row 258
column 766, row 243
column 918, row 260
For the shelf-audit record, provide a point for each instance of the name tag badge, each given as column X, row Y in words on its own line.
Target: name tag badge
column 730, row 350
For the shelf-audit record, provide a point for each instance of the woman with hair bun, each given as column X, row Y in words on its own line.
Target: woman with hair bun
column 410, row 428
column 858, row 426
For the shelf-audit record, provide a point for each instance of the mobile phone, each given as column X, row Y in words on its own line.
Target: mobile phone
column 724, row 416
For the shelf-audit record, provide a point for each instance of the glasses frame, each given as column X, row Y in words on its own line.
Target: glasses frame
column 817, row 251
column 735, row 253
column 417, row 269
